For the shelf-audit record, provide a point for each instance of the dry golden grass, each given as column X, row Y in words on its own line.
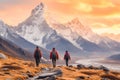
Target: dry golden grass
column 88, row 74
column 12, row 68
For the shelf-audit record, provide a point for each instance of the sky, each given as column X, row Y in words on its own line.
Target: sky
column 103, row 16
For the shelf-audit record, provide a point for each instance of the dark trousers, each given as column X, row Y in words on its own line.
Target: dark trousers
column 66, row 62
column 37, row 61
column 54, row 62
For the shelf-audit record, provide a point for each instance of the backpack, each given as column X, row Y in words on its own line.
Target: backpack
column 67, row 56
column 37, row 53
column 54, row 56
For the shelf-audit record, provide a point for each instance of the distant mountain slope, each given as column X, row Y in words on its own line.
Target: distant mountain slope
column 13, row 49
column 115, row 57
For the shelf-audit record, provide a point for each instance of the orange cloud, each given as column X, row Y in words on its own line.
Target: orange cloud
column 101, row 28
column 84, row 7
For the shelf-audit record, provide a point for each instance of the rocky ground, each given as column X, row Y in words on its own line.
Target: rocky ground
column 17, row 69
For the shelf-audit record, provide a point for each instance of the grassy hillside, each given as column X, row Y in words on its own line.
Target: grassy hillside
column 18, row 69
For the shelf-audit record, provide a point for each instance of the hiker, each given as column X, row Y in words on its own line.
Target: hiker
column 67, row 57
column 37, row 55
column 54, row 56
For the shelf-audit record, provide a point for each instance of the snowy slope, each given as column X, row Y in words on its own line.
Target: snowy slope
column 83, row 37
column 75, row 38
column 8, row 34
column 36, row 30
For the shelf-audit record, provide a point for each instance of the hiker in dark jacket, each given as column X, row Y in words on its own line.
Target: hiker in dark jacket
column 37, row 55
column 67, row 57
column 54, row 56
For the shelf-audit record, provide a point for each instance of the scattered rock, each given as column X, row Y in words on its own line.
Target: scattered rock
column 2, row 56
column 51, row 78
column 45, row 69
column 11, row 67
column 90, row 67
column 5, row 69
column 105, row 69
column 80, row 66
column 50, row 74
column 58, row 72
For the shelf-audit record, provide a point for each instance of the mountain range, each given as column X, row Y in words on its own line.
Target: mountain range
column 81, row 36
column 115, row 57
column 36, row 30
column 72, row 36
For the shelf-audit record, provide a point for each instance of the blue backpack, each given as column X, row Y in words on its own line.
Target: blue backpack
column 54, row 56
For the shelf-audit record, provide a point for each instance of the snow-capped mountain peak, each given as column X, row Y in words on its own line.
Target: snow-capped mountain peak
column 38, row 9
column 77, row 26
column 36, row 17
column 75, row 20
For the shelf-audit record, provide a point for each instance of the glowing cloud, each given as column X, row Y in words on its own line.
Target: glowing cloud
column 83, row 7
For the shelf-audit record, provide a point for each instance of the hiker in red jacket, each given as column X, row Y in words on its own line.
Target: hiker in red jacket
column 67, row 57
column 54, row 56
column 37, row 55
